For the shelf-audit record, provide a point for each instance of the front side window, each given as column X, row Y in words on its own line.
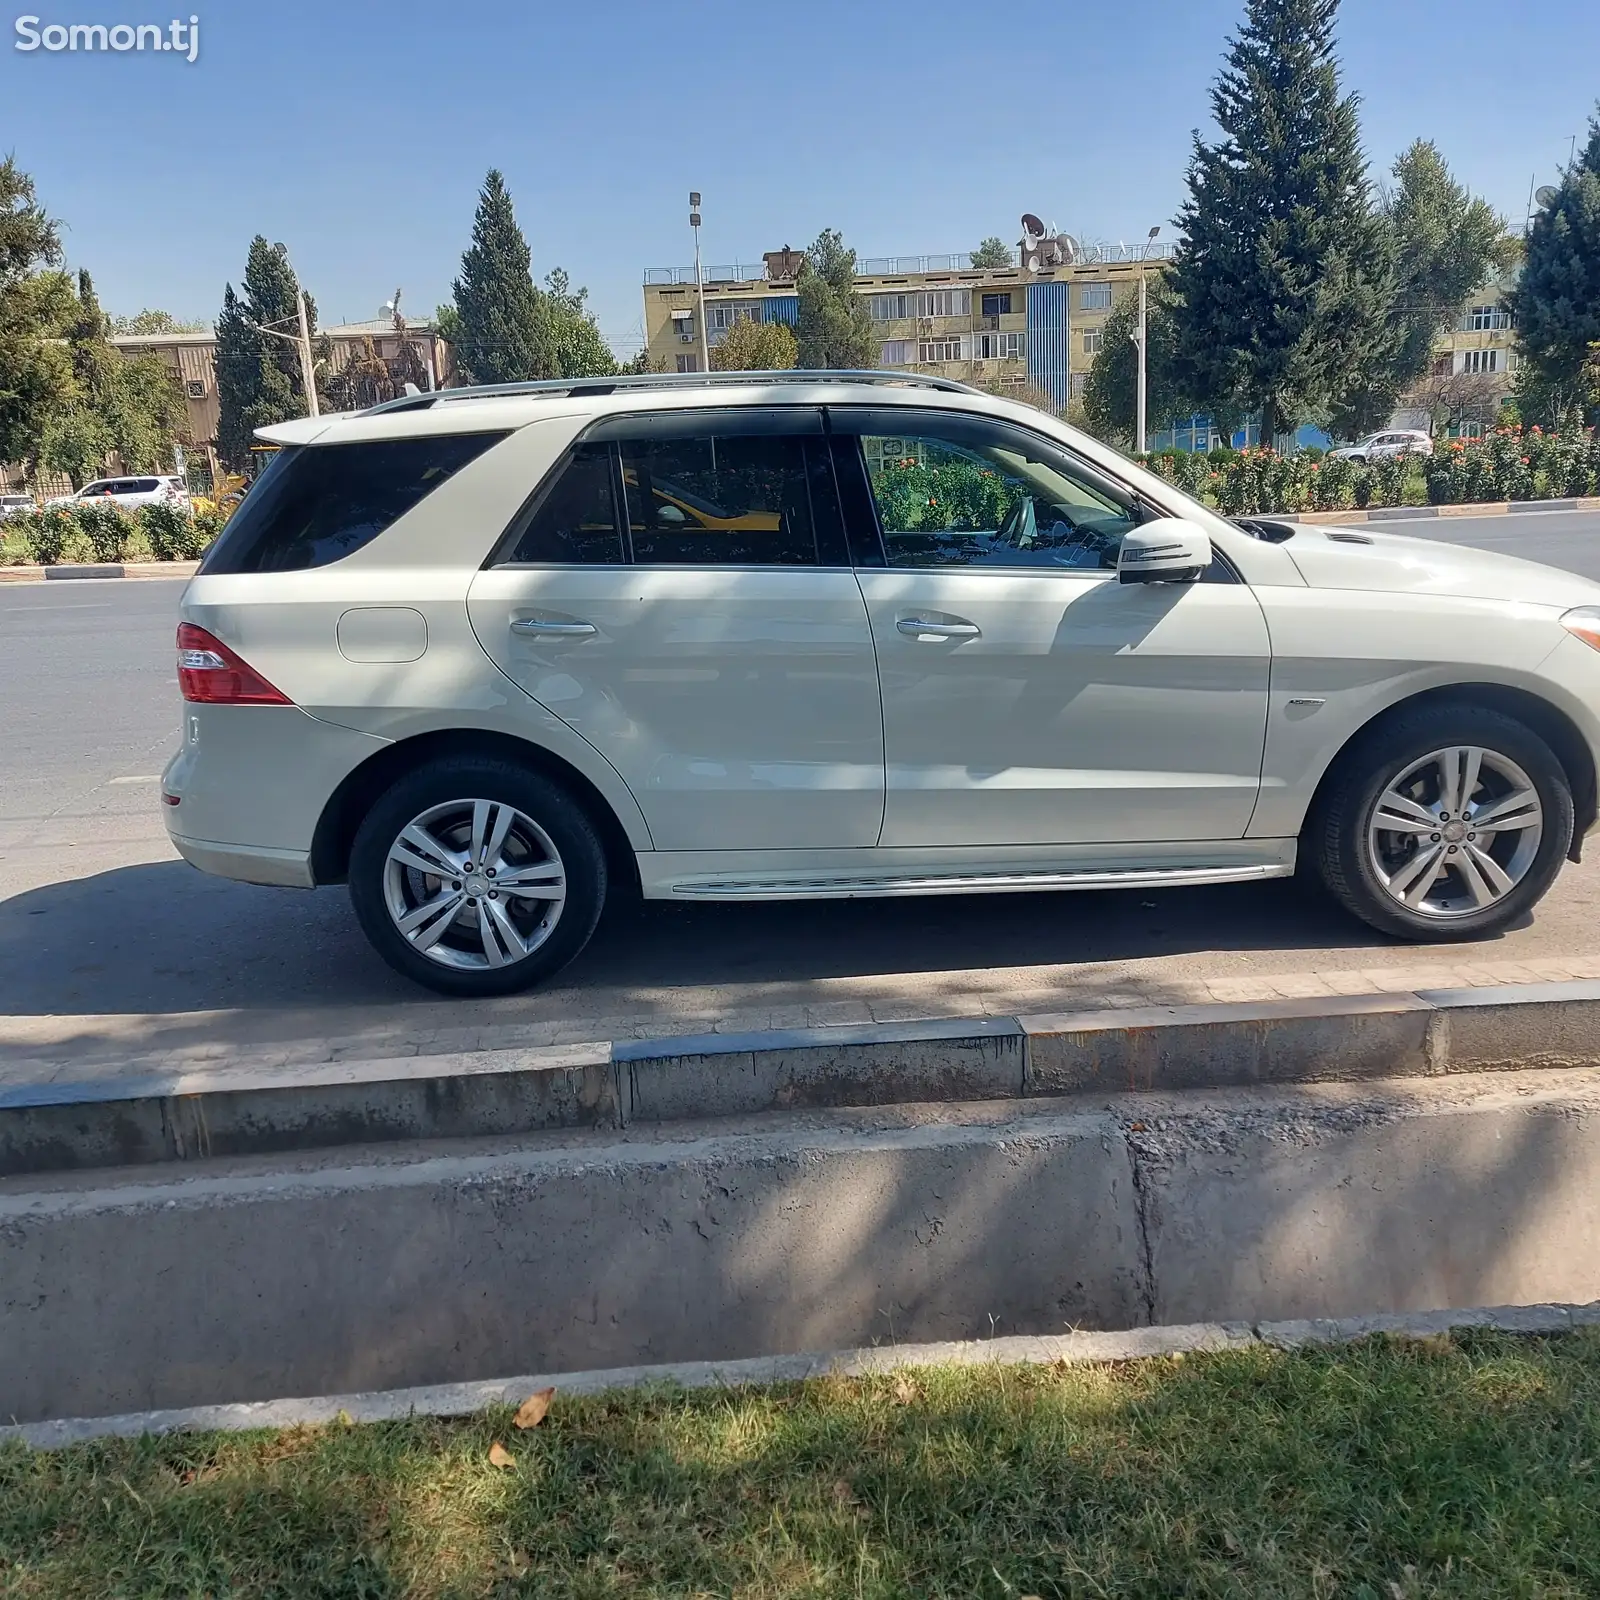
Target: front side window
column 315, row 504
column 969, row 493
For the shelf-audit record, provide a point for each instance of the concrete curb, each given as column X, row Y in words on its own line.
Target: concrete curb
column 1078, row 1348
column 1482, row 508
column 231, row 1111
column 99, row 569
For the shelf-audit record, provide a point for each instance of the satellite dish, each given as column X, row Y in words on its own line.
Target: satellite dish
column 1545, row 195
column 1032, row 226
column 1033, row 261
column 1067, row 248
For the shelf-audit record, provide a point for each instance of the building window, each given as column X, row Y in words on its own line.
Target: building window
column 1077, row 382
column 1091, row 340
column 1485, row 319
column 688, row 363
column 999, row 346
column 891, row 307
column 939, row 350
column 896, row 353
column 1442, row 366
column 1480, row 361
column 1095, row 297
column 997, row 305
column 721, row 317
column 945, row 303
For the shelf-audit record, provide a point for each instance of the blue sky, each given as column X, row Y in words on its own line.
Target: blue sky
column 359, row 133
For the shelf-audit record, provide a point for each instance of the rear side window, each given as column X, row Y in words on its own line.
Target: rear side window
column 315, row 504
column 138, row 486
column 574, row 520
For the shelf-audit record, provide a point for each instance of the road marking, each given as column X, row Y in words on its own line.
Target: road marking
column 151, row 778
column 73, row 605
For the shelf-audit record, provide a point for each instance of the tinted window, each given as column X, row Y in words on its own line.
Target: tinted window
column 138, row 486
column 314, row 504
column 574, row 518
column 964, row 492
column 737, row 500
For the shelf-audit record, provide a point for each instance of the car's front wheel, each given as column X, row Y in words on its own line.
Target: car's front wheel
column 477, row 877
column 1448, row 822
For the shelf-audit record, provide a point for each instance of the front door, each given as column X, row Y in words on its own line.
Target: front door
column 679, row 593
column 1028, row 696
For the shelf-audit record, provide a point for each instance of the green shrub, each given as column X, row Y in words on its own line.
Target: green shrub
column 1389, row 481
column 1333, row 483
column 167, row 530
column 103, row 527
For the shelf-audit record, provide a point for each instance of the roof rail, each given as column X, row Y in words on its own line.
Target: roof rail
column 669, row 380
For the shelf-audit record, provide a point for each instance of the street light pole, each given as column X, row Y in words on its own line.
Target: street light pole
column 699, row 280
column 1142, row 337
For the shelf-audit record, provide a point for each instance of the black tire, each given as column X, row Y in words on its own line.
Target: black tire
column 1336, row 834
column 547, row 805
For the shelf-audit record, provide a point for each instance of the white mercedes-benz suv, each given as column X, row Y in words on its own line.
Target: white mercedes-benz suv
column 487, row 653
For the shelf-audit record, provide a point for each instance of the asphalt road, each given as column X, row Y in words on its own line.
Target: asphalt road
column 98, row 918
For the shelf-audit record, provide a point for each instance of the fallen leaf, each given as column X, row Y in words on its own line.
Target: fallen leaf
column 499, row 1456
column 532, row 1410
column 843, row 1494
column 1138, row 1127
column 1230, row 1542
column 905, row 1391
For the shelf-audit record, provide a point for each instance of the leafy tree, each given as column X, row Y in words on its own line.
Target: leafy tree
column 1444, row 244
column 500, row 333
column 36, row 302
column 834, row 329
column 1556, row 302
column 1111, row 396
column 580, row 350
column 259, row 380
column 751, row 346
column 992, row 252
column 153, row 322
column 1282, row 276
column 131, row 406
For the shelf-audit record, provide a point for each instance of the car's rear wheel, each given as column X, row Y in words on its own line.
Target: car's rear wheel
column 1447, row 823
column 477, row 877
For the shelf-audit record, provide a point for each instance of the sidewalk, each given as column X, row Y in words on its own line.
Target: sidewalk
column 80, row 1048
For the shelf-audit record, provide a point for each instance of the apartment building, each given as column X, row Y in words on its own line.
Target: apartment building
column 999, row 326
column 935, row 314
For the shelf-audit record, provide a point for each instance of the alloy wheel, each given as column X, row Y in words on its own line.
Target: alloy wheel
column 1455, row 832
column 474, row 884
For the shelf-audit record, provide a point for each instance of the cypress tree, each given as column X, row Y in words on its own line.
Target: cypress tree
column 1557, row 299
column 504, row 335
column 258, row 376
column 1283, row 276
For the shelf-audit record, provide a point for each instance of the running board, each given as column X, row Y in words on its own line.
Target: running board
column 974, row 883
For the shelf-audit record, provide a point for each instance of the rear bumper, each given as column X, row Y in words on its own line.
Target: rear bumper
column 282, row 869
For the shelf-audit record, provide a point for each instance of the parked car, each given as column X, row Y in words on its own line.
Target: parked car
column 486, row 654
column 1393, row 442
column 128, row 493
column 15, row 505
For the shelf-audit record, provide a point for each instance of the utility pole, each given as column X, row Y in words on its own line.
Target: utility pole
column 699, row 280
column 308, row 368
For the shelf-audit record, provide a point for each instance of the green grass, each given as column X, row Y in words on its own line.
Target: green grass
column 1387, row 1470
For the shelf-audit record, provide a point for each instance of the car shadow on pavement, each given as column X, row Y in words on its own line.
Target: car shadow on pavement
column 161, row 937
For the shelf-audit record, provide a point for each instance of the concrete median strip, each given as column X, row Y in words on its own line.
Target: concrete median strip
column 1077, row 1348
column 382, row 1225
column 98, row 569
column 224, row 1111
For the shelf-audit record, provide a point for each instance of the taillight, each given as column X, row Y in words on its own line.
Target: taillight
column 210, row 674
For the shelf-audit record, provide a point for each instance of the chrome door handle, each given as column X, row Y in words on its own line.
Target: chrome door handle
column 559, row 630
column 939, row 630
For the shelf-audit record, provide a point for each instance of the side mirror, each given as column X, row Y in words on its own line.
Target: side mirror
column 1168, row 550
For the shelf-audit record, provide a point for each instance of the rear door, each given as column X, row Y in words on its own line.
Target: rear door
column 678, row 591
column 1028, row 696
